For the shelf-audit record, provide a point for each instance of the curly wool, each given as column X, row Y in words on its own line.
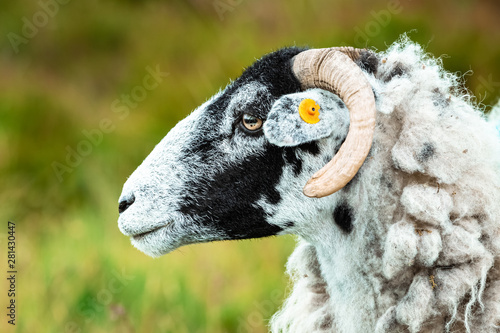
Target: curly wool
column 424, row 253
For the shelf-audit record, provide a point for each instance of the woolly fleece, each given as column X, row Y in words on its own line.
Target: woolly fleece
column 424, row 252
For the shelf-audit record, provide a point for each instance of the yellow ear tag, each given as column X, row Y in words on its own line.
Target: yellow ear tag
column 309, row 111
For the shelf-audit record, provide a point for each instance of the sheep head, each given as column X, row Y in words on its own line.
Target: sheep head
column 236, row 167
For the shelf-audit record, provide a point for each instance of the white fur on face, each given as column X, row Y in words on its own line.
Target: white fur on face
column 153, row 222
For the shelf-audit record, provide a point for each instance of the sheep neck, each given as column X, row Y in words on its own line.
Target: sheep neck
column 357, row 296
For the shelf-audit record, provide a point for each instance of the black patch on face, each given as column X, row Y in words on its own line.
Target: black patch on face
column 274, row 71
column 368, row 62
column 289, row 224
column 291, row 156
column 227, row 202
column 310, row 147
column 342, row 215
column 426, row 152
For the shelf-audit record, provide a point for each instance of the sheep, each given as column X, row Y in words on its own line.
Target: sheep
column 402, row 236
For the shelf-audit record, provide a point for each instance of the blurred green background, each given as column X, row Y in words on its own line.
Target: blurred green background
column 65, row 66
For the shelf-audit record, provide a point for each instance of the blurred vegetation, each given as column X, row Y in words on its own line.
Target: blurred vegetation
column 63, row 79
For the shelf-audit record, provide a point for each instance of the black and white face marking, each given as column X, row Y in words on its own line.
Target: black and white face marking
column 213, row 178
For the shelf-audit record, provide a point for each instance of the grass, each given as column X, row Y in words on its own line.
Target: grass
column 76, row 271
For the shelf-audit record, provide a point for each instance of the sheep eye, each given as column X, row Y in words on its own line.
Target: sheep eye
column 250, row 122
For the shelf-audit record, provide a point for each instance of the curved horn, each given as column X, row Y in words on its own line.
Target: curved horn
column 333, row 69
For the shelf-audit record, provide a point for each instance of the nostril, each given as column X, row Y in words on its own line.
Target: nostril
column 125, row 204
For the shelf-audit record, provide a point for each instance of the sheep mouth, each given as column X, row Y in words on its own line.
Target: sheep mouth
column 156, row 241
column 149, row 233
column 142, row 235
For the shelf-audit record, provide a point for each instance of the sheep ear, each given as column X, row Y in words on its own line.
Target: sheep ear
column 306, row 116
